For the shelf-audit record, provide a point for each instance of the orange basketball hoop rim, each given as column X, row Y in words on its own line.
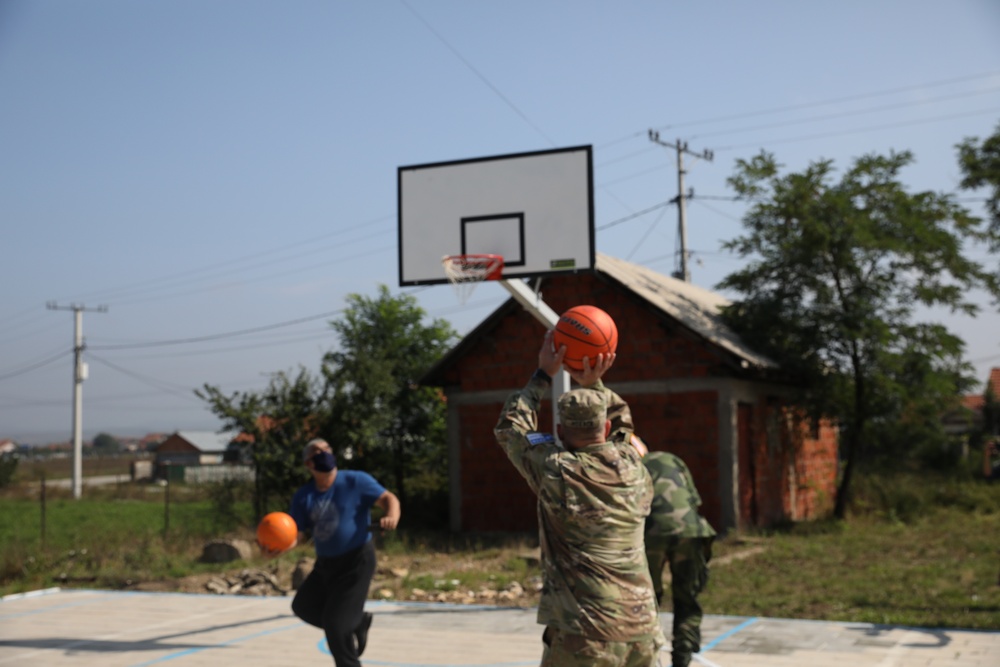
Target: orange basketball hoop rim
column 472, row 268
column 464, row 272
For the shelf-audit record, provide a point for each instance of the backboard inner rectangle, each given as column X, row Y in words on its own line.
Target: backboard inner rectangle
column 501, row 234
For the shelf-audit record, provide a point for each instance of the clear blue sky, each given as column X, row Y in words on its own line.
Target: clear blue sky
column 204, row 168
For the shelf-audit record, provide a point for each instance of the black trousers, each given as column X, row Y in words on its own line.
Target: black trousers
column 333, row 598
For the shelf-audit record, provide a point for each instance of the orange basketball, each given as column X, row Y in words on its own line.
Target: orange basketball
column 586, row 331
column 277, row 531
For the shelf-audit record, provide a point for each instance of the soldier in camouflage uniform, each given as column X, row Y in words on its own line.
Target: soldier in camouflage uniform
column 597, row 603
column 677, row 534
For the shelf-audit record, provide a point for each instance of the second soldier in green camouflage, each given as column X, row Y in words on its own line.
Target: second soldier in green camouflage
column 676, row 534
column 597, row 602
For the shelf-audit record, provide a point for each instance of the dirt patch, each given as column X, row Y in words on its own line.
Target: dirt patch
column 496, row 576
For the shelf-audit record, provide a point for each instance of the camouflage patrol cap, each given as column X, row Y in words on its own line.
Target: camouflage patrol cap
column 583, row 408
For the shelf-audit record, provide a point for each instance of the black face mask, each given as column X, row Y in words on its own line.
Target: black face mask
column 324, row 461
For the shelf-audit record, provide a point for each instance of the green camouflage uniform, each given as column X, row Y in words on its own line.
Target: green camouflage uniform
column 597, row 602
column 677, row 534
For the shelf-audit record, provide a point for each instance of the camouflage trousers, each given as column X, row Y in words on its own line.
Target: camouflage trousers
column 688, row 559
column 565, row 650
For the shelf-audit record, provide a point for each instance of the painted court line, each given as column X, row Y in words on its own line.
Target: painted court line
column 117, row 635
column 30, row 594
column 231, row 642
column 68, row 605
column 729, row 633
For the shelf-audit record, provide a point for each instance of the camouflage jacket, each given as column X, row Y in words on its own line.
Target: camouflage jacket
column 675, row 499
column 592, row 506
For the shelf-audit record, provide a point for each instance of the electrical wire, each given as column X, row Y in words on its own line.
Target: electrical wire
column 839, row 100
column 844, row 114
column 249, row 281
column 141, row 292
column 166, row 387
column 634, row 215
column 873, row 128
column 219, row 336
column 214, row 269
column 478, row 74
column 40, row 364
column 699, row 202
column 286, row 340
column 649, row 230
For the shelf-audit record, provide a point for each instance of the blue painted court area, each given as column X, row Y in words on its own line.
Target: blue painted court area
column 93, row 628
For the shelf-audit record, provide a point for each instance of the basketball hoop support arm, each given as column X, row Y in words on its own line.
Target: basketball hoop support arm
column 533, row 303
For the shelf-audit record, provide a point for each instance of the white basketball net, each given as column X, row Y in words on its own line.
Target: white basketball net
column 465, row 272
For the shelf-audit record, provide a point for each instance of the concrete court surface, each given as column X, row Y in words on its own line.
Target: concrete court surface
column 95, row 628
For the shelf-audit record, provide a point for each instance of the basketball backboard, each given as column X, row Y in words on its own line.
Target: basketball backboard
column 535, row 209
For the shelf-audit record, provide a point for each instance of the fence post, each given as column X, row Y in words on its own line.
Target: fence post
column 166, row 505
column 42, row 500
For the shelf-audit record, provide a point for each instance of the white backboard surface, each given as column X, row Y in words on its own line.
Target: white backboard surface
column 536, row 209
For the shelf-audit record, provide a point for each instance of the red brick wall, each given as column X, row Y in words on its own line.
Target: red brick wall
column 494, row 497
column 687, row 425
column 795, row 472
column 771, row 455
column 816, row 470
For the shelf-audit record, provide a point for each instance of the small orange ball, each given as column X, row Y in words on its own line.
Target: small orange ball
column 277, row 531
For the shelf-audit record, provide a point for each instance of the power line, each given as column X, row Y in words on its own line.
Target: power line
column 649, row 230
column 698, row 200
column 633, row 215
column 475, row 71
column 285, row 340
column 845, row 114
column 873, row 128
column 166, row 387
column 219, row 336
column 850, row 98
column 142, row 290
column 40, row 364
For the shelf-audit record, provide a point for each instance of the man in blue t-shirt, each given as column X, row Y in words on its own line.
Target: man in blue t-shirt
column 334, row 507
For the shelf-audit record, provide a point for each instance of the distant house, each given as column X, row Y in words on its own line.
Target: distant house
column 193, row 448
column 693, row 386
column 968, row 418
column 150, row 441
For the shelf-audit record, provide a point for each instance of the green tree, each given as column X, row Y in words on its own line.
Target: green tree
column 395, row 427
column 276, row 423
column 106, row 444
column 367, row 404
column 8, row 466
column 991, row 412
column 837, row 270
column 980, row 165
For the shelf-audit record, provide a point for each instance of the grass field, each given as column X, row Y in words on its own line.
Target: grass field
column 917, row 551
column 56, row 468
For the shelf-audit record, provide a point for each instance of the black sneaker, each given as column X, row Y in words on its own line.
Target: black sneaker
column 361, row 632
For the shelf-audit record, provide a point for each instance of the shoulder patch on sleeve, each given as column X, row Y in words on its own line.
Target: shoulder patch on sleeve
column 535, row 438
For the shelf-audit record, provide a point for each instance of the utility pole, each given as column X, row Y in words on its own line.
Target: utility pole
column 681, row 147
column 79, row 375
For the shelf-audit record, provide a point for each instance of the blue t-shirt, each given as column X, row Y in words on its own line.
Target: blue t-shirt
column 338, row 518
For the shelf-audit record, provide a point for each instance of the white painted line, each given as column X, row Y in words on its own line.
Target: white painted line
column 30, row 594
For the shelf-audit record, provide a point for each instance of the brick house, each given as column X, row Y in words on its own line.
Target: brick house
column 968, row 418
column 693, row 387
column 193, row 448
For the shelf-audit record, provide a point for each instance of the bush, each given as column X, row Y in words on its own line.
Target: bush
column 231, row 500
column 8, row 466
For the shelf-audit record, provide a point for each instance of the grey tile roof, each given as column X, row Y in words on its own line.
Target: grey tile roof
column 208, row 441
column 695, row 307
